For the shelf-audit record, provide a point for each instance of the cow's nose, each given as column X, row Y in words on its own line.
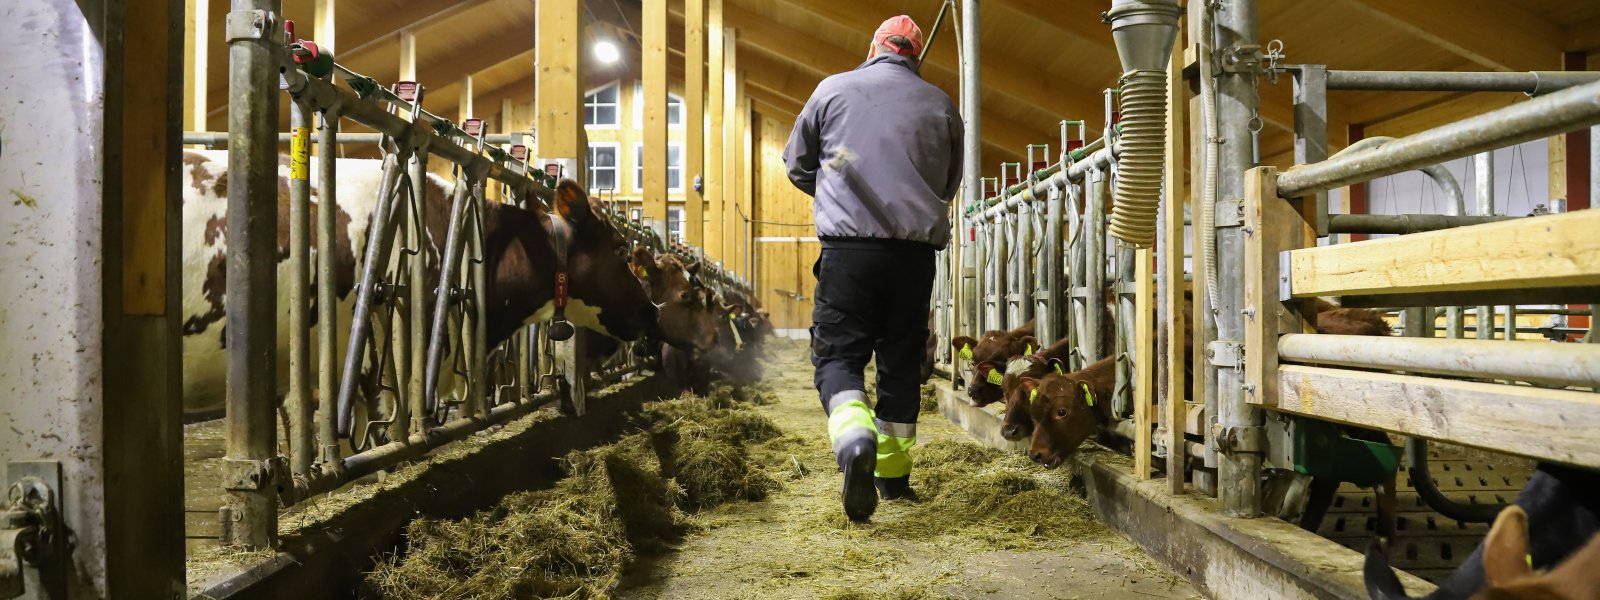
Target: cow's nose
column 1037, row 457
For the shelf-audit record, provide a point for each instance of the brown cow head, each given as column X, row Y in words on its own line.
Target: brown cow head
column 991, row 354
column 1066, row 410
column 1017, row 423
column 687, row 319
column 601, row 277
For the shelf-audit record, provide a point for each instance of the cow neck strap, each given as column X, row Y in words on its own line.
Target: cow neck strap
column 561, row 241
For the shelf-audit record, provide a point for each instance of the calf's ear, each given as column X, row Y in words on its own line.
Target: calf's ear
column 1028, row 343
column 644, row 263
column 1505, row 551
column 572, row 202
column 960, row 342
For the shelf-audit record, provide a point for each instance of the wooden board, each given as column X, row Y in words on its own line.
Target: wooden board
column 1547, row 251
column 1177, row 323
column 1143, row 363
column 1557, row 425
column 1274, row 226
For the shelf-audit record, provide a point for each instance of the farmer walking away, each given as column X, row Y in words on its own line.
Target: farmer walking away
column 880, row 150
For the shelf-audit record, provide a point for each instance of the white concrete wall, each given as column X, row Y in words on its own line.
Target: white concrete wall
column 50, row 274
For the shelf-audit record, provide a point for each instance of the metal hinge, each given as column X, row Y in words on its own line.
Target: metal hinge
column 1224, row 354
column 1285, row 269
column 1238, row 440
column 1229, row 213
column 250, row 25
column 31, row 528
column 252, row 475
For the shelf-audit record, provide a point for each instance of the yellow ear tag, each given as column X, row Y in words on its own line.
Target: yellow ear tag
column 1029, row 350
column 1058, row 368
column 995, row 376
column 642, row 273
column 1088, row 396
column 1033, row 394
column 966, row 352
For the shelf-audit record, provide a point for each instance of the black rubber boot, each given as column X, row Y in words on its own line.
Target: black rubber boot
column 857, row 460
column 895, row 488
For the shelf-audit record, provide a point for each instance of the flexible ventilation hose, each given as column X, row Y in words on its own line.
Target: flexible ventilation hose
column 1208, row 193
column 1143, row 148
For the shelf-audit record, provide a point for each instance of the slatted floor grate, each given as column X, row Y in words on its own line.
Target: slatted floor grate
column 1427, row 544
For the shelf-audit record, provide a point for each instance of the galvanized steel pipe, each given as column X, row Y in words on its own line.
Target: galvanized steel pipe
column 1533, row 83
column 1560, row 112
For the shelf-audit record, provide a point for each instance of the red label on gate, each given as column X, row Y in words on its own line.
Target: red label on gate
column 553, row 169
column 1074, row 145
column 406, row 90
column 473, row 127
column 519, row 152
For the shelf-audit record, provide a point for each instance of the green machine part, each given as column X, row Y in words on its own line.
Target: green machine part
column 1321, row 449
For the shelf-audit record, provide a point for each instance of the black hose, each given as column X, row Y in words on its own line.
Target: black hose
column 1428, row 490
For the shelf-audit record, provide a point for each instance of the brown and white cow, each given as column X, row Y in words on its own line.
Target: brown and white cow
column 520, row 265
column 992, row 352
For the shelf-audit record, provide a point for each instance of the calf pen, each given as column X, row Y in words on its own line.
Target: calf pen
column 1038, row 246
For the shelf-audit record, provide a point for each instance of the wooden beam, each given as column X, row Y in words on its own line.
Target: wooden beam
column 464, row 99
column 716, row 78
column 694, row 118
column 1496, row 35
column 408, row 55
column 197, row 17
column 560, row 72
column 1547, row 251
column 1057, row 97
column 655, row 110
column 1144, row 364
column 1175, row 321
column 1556, row 425
column 413, row 15
column 729, row 173
column 1583, row 37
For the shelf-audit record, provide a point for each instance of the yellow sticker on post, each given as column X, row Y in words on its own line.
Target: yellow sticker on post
column 300, row 154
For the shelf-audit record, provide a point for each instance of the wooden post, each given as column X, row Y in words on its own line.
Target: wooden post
column 323, row 25
column 728, row 191
column 1176, row 324
column 716, row 109
column 1576, row 165
column 464, row 106
column 1356, row 195
column 559, row 123
column 747, row 186
column 408, row 55
column 195, row 63
column 654, row 154
column 1144, row 364
column 694, row 119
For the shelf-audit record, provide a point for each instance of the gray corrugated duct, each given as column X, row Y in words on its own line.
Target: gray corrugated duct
column 1144, row 31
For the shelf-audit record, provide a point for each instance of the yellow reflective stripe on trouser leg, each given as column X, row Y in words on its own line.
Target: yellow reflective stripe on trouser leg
column 849, row 418
column 894, row 448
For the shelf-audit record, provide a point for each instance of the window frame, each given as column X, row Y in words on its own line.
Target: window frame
column 615, row 104
column 672, row 100
column 638, row 168
column 616, row 167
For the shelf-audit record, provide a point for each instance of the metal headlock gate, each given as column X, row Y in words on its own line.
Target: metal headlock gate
column 1048, row 245
column 388, row 405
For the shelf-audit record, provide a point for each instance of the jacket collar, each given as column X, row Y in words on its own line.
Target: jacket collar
column 897, row 59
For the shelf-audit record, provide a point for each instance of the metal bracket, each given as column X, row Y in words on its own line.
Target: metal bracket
column 1241, row 58
column 31, row 528
column 1229, row 213
column 252, row 475
column 1238, row 440
column 1225, row 354
column 250, row 25
column 1285, row 289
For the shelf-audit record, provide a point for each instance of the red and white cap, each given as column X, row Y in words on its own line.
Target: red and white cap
column 900, row 25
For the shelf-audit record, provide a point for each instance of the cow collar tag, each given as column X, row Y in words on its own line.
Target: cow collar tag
column 560, row 242
column 966, row 352
column 995, row 376
column 1088, row 396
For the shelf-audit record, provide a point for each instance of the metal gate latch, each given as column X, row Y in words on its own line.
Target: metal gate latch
column 1238, row 440
column 28, row 530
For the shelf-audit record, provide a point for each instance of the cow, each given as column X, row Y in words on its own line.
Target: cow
column 1554, row 524
column 995, row 349
column 520, row 265
column 684, row 318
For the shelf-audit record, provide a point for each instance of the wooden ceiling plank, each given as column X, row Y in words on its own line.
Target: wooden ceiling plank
column 1493, row 34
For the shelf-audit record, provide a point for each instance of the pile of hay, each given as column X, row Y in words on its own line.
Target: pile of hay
column 930, row 398
column 618, row 501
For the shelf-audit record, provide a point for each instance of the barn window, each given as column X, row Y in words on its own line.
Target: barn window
column 674, row 167
column 675, row 223
column 674, row 108
column 602, row 166
column 600, row 107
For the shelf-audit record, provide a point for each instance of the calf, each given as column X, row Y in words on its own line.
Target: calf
column 685, row 319
column 1554, row 522
column 520, row 251
column 1067, row 408
column 996, row 348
